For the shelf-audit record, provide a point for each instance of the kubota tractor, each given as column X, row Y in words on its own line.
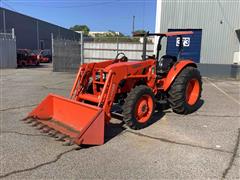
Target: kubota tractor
column 136, row 86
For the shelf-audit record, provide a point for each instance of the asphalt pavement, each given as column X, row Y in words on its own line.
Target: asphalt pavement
column 202, row 145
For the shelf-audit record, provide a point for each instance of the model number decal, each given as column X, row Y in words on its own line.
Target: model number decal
column 185, row 40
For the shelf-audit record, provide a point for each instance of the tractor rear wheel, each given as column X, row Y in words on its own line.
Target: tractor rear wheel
column 185, row 92
column 139, row 107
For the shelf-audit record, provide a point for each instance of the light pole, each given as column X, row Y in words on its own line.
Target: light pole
column 133, row 24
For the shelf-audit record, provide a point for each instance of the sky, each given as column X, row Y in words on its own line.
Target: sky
column 98, row 15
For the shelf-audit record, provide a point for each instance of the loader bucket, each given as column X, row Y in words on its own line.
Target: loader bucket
column 70, row 120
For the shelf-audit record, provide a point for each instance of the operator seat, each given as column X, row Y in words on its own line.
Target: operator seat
column 165, row 63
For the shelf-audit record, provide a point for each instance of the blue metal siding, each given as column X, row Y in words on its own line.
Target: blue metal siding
column 189, row 52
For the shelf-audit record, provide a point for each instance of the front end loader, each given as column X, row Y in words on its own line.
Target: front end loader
column 136, row 86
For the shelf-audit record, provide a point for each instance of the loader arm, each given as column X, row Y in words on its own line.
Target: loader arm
column 125, row 71
column 72, row 120
column 83, row 75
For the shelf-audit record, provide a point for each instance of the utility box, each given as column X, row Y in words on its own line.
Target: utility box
column 235, row 71
column 236, row 58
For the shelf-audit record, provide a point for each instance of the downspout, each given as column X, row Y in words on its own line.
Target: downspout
column 158, row 24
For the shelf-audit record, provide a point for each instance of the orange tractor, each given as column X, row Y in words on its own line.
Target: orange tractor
column 135, row 86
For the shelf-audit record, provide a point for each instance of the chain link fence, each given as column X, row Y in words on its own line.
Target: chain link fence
column 8, row 34
column 69, row 54
column 66, row 55
column 8, row 55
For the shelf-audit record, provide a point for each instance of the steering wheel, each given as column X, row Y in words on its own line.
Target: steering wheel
column 121, row 59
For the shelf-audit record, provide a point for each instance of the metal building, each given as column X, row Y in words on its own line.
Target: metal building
column 215, row 44
column 32, row 33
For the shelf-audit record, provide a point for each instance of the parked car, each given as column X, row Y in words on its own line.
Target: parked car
column 36, row 51
column 45, row 56
column 25, row 57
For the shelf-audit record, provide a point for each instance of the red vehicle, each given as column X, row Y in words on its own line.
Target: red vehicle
column 25, row 57
column 45, row 56
column 138, row 87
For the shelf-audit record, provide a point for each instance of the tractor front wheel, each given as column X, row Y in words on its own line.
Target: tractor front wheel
column 185, row 92
column 139, row 107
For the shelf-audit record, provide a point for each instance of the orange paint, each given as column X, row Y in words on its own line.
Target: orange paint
column 83, row 116
column 192, row 91
column 71, row 118
column 174, row 71
column 144, row 108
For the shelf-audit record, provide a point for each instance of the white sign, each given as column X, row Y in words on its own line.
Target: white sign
column 185, row 40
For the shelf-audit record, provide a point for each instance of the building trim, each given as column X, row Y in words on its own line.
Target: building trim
column 158, row 23
column 4, row 21
column 37, row 35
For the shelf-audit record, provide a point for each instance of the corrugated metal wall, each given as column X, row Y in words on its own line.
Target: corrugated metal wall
column 8, row 53
column 94, row 51
column 217, row 19
column 30, row 31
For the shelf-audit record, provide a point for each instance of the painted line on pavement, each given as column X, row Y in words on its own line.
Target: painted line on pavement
column 222, row 91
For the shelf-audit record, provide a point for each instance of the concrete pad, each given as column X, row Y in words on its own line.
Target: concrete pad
column 197, row 146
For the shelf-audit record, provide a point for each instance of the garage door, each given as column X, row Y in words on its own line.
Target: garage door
column 191, row 44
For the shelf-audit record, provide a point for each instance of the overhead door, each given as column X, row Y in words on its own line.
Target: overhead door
column 191, row 44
